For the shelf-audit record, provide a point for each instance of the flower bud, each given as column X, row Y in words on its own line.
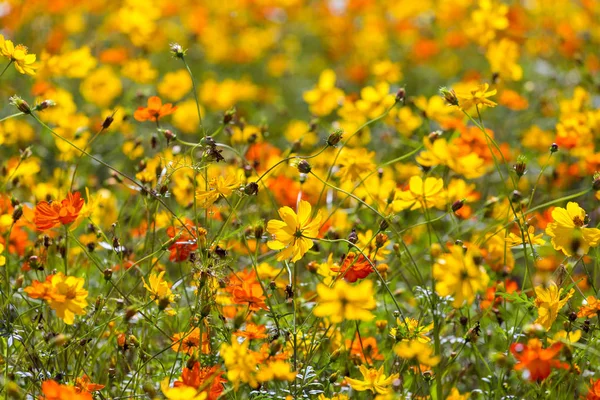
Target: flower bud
column 353, row 237
column 521, row 166
column 108, row 274
column 457, row 205
column 596, row 181
column 449, row 95
column 304, row 167
column 44, row 104
column 251, row 189
column 17, row 213
column 107, row 122
column 177, row 51
column 335, row 137
column 553, row 148
column 380, row 240
column 20, row 104
column 400, row 95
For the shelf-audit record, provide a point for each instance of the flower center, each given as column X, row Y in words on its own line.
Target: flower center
column 578, row 221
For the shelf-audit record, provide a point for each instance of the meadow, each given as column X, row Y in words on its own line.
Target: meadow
column 299, row 199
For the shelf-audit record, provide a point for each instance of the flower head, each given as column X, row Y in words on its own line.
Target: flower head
column 569, row 230
column 373, row 380
column 49, row 215
column 346, row 302
column 294, row 233
column 154, row 111
column 476, row 96
column 421, row 194
column 19, row 56
column 537, row 361
column 549, row 303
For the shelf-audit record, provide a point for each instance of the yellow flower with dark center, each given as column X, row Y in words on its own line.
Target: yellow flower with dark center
column 346, row 302
column 373, row 380
column 68, row 297
column 354, row 163
column 294, row 233
column 477, row 96
column 569, row 230
column 218, row 187
column 549, row 303
column 426, row 193
column 18, row 55
column 159, row 288
column 458, row 275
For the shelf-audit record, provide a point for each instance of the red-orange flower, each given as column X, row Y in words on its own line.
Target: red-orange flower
column 52, row 390
column 186, row 243
column 203, row 378
column 49, row 215
column 85, row 384
column 190, row 341
column 537, row 361
column 594, row 392
column 155, row 110
column 352, row 270
column 246, row 289
column 253, row 331
column 364, row 349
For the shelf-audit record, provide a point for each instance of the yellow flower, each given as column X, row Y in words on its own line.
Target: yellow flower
column 240, row 362
column 421, row 194
column 175, row 85
column 2, row 257
column 101, row 87
column 549, row 303
column 24, row 62
column 68, row 297
column 503, row 57
column 182, row 392
column 476, row 96
column 566, row 337
column 159, row 288
column 458, row 275
column 324, row 98
column 139, row 71
column 411, row 330
column 514, row 239
column 294, row 233
column 336, row 397
column 218, row 187
column 276, row 371
column 299, row 131
column 186, row 117
column 374, row 100
column 346, row 302
column 373, row 380
column 355, row 162
column 417, row 350
column 387, row 71
column 568, row 231
column 455, row 395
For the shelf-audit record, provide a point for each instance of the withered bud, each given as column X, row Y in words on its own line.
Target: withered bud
column 457, row 205
column 553, row 148
column 259, row 229
column 44, row 104
column 353, row 237
column 177, row 51
column 108, row 274
column 107, row 122
column 383, row 225
column 228, row 116
column 20, row 104
column 380, row 240
column 251, row 189
column 400, row 95
column 304, row 167
column 520, row 167
column 17, row 213
column 170, row 136
column 516, row 196
column 335, row 137
column 449, row 95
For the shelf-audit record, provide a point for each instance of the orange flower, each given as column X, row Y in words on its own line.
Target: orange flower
column 592, row 307
column 52, row 390
column 491, row 300
column 352, row 270
column 253, row 331
column 190, row 341
column 537, row 361
column 186, row 243
column 594, row 392
column 245, row 289
column 155, row 110
column 41, row 290
column 205, row 378
column 84, row 384
column 49, row 215
column 365, row 350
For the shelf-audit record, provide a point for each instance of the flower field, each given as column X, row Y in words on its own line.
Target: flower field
column 299, row 199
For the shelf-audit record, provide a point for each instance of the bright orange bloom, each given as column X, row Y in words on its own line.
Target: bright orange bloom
column 49, row 215
column 52, row 390
column 491, row 300
column 253, row 331
column 353, row 269
column 537, row 361
column 205, row 378
column 364, row 349
column 155, row 110
column 190, row 341
column 592, row 307
column 186, row 242
column 84, row 384
column 245, row 289
column 41, row 290
column 594, row 393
